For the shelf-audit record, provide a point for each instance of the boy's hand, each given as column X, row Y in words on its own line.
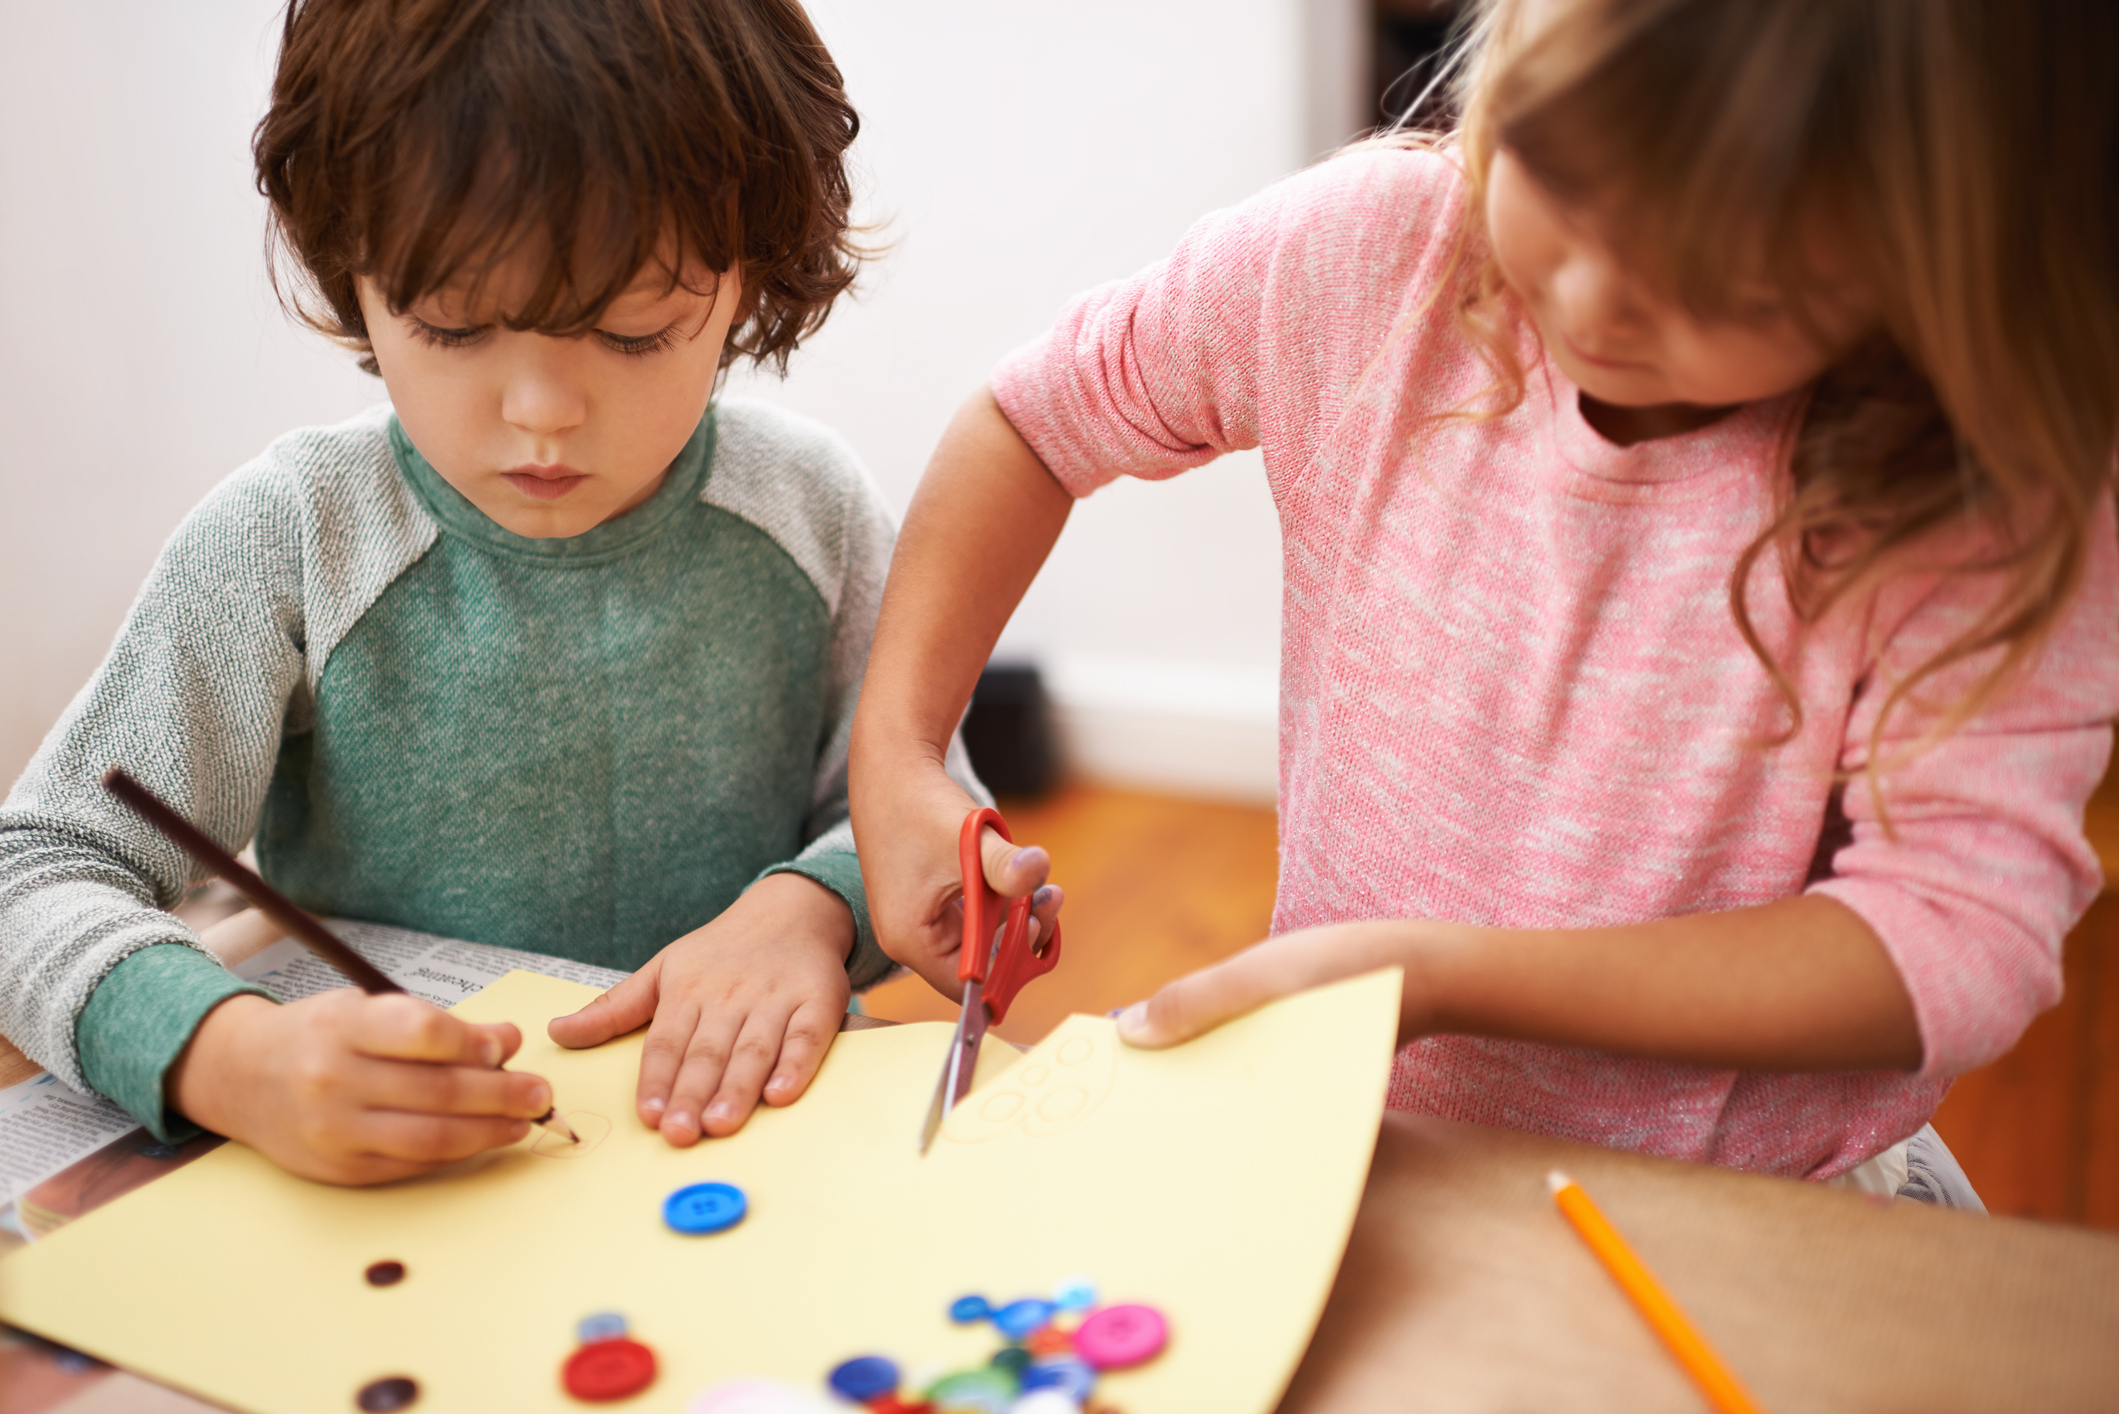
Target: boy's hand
column 745, row 1006
column 354, row 1089
column 916, row 885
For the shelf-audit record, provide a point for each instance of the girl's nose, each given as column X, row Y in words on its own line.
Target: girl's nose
column 1594, row 299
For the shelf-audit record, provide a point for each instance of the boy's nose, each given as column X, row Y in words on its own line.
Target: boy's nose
column 540, row 402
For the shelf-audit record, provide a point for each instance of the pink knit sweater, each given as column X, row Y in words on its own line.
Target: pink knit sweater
column 1511, row 689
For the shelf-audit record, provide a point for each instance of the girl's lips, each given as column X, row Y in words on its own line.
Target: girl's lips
column 543, row 486
column 1614, row 364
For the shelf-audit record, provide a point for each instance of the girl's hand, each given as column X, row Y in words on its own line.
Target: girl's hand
column 916, row 884
column 981, row 523
column 746, row 1005
column 1278, row 967
column 347, row 1088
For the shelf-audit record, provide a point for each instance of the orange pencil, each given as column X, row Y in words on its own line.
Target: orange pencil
column 1656, row 1307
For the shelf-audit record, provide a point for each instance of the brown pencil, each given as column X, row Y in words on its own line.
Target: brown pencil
column 298, row 921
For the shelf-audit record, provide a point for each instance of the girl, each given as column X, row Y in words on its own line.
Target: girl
column 554, row 653
column 1700, row 568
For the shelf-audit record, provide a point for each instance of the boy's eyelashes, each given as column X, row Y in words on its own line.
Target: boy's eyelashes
column 632, row 345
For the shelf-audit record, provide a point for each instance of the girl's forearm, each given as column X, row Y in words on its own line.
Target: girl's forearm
column 1802, row 984
column 985, row 516
column 1797, row 985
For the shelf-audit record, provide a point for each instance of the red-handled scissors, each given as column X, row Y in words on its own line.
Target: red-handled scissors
column 992, row 969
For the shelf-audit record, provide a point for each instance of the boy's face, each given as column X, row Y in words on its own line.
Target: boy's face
column 549, row 436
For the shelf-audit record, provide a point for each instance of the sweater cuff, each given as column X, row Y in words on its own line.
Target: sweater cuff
column 840, row 871
column 139, row 1020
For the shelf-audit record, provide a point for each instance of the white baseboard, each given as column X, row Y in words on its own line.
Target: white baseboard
column 1184, row 728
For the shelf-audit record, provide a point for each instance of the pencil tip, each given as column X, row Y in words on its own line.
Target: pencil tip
column 1555, row 1180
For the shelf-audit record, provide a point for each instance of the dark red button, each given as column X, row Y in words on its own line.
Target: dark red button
column 604, row 1370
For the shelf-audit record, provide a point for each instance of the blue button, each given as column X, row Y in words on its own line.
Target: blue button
column 1070, row 1376
column 1020, row 1318
column 1075, row 1294
column 864, row 1377
column 705, row 1207
column 604, row 1325
column 966, row 1309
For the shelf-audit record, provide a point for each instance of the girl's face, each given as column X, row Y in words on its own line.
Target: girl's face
column 1625, row 342
column 550, row 436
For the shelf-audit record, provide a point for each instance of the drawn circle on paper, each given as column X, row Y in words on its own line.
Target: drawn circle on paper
column 389, row 1393
column 385, row 1273
column 590, row 1129
column 1057, row 1086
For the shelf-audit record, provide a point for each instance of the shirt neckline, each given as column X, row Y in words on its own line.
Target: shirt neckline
column 461, row 520
column 1684, row 465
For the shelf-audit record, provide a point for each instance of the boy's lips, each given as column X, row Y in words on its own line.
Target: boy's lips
column 544, row 483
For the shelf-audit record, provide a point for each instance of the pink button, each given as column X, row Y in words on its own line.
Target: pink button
column 1114, row 1337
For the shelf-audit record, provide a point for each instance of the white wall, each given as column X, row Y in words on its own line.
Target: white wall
column 1019, row 150
column 141, row 355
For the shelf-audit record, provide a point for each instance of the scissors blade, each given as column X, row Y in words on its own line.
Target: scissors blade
column 962, row 1062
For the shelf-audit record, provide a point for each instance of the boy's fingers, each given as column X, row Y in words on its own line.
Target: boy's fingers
column 810, row 1032
column 452, row 1090
column 402, row 1027
column 661, row 1057
column 706, row 1055
column 728, row 1101
column 433, row 1139
column 626, row 1007
column 1012, row 870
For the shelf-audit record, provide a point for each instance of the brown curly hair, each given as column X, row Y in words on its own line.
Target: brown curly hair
column 418, row 142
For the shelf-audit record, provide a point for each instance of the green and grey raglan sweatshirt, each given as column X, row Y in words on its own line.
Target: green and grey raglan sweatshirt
column 585, row 747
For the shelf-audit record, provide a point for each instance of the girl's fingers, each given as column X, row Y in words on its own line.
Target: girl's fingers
column 735, row 1092
column 398, row 1026
column 661, row 1057
column 1012, row 870
column 1207, row 998
column 450, row 1090
column 809, row 1035
column 426, row 1139
column 626, row 1007
column 1044, row 909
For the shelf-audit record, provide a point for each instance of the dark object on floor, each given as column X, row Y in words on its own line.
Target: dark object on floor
column 1009, row 732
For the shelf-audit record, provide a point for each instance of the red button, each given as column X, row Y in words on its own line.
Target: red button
column 608, row 1369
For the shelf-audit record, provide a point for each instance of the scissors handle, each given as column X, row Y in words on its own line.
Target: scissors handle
column 1015, row 962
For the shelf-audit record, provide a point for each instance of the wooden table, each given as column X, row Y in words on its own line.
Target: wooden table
column 1463, row 1290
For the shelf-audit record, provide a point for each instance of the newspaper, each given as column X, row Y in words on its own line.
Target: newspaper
column 46, row 1126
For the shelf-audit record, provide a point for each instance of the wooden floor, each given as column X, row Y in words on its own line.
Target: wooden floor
column 1159, row 886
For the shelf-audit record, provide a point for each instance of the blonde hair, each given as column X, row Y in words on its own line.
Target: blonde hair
column 1967, row 152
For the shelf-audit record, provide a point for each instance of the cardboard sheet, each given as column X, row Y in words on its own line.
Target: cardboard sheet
column 1216, row 1181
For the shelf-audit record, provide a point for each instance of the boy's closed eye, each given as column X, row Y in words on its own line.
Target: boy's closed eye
column 633, row 345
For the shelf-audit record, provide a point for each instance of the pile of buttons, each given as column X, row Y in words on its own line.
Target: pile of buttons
column 1054, row 1349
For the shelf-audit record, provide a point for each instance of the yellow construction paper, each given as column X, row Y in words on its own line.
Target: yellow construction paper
column 1216, row 1181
